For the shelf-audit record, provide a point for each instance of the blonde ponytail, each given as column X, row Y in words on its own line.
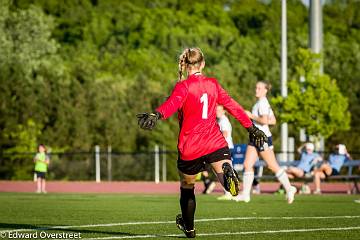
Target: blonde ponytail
column 266, row 83
column 190, row 57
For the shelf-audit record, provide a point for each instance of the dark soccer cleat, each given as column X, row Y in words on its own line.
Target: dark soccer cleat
column 231, row 179
column 181, row 225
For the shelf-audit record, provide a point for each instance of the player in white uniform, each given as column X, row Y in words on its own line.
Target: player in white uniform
column 226, row 129
column 263, row 116
column 225, row 125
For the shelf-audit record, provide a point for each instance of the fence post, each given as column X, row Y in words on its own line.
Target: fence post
column 291, row 148
column 164, row 164
column 97, row 163
column 157, row 167
column 109, row 163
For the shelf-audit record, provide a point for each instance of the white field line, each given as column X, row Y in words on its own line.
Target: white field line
column 172, row 222
column 233, row 233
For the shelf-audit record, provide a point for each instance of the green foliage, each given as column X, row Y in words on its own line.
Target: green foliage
column 26, row 139
column 29, row 67
column 342, row 61
column 316, row 103
column 82, row 69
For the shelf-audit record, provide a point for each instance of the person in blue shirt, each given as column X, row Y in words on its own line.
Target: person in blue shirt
column 308, row 159
column 331, row 167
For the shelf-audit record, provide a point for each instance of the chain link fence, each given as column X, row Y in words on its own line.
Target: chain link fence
column 81, row 166
column 114, row 166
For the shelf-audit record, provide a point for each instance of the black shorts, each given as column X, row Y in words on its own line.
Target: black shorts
column 40, row 174
column 268, row 144
column 192, row 167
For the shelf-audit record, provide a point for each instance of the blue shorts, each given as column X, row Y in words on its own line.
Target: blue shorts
column 268, row 144
column 334, row 172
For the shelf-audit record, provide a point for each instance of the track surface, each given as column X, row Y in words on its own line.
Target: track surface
column 142, row 187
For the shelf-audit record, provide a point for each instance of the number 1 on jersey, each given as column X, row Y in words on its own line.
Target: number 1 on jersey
column 204, row 100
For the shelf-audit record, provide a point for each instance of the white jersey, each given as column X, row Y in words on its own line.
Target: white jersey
column 262, row 107
column 225, row 125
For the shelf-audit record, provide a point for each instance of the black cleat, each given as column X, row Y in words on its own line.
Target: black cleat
column 181, row 225
column 231, row 179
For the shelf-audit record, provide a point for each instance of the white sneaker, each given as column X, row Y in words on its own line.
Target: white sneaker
column 242, row 198
column 211, row 187
column 290, row 195
column 226, row 196
column 256, row 190
column 357, row 201
column 305, row 189
column 317, row 192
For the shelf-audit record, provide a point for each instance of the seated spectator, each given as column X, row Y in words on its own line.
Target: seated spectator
column 331, row 167
column 308, row 159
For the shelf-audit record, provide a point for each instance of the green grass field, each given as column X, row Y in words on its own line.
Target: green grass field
column 152, row 216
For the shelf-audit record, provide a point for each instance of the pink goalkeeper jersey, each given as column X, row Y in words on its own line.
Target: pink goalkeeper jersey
column 196, row 99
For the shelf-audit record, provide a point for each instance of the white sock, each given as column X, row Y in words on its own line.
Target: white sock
column 248, row 179
column 228, row 194
column 283, row 179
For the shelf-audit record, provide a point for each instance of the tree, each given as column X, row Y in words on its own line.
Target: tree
column 315, row 104
column 26, row 139
column 28, row 65
column 82, row 69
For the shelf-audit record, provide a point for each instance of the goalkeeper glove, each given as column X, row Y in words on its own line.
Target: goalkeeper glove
column 257, row 136
column 148, row 120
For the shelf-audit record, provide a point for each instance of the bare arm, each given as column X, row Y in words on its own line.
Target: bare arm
column 47, row 160
column 272, row 120
column 263, row 119
column 301, row 148
column 225, row 133
column 347, row 154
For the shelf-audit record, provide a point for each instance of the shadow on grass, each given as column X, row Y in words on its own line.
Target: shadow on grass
column 31, row 227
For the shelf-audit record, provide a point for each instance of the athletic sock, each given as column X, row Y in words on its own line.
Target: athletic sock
column 283, row 179
column 188, row 206
column 248, row 179
column 255, row 183
column 207, row 181
column 220, row 177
